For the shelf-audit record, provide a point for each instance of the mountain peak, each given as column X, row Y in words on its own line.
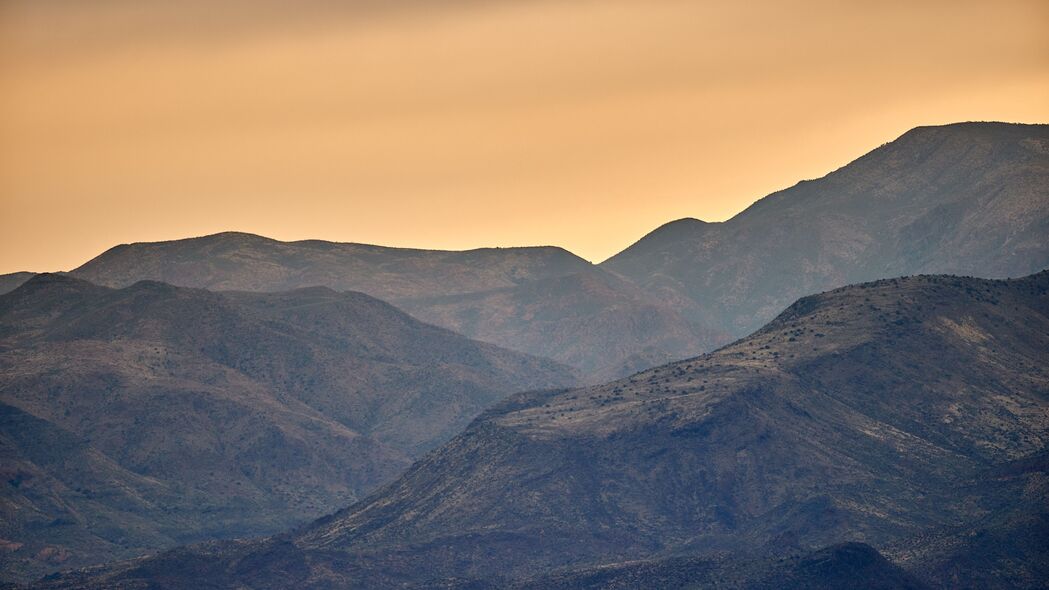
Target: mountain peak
column 669, row 233
column 50, row 281
column 963, row 199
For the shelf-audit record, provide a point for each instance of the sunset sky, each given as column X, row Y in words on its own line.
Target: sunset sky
column 467, row 123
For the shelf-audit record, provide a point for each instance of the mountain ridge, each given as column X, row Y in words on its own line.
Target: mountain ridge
column 138, row 263
column 203, row 415
column 832, row 424
column 964, row 199
column 452, row 289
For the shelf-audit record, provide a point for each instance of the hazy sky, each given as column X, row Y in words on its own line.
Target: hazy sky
column 467, row 123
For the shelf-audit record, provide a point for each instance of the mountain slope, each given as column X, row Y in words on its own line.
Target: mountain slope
column 904, row 414
column 592, row 320
column 847, row 566
column 194, row 415
column 964, row 199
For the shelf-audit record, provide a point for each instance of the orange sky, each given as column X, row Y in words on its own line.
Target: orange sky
column 466, row 123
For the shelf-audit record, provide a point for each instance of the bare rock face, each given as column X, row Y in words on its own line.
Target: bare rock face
column 139, row 418
column 910, row 415
column 963, row 199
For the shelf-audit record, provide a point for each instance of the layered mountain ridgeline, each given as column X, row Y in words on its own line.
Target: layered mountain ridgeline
column 245, row 262
column 967, row 199
column 11, row 281
column 138, row 418
column 963, row 199
column 593, row 320
column 543, row 301
column 908, row 414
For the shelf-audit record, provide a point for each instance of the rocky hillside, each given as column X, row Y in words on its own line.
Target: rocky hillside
column 137, row 418
column 964, row 199
column 911, row 415
column 847, row 566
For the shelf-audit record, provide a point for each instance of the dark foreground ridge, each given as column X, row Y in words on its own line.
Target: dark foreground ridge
column 141, row 418
column 910, row 415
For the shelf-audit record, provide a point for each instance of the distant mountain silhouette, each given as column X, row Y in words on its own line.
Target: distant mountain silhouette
column 543, row 301
column 591, row 319
column 963, row 199
column 138, row 418
column 910, row 414
column 246, row 262
column 14, row 280
column 966, row 199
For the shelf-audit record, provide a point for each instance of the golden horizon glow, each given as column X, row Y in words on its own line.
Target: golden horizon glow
column 467, row 123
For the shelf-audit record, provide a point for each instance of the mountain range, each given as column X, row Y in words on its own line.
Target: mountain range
column 904, row 419
column 138, row 418
column 543, row 301
column 892, row 431
column 964, row 199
